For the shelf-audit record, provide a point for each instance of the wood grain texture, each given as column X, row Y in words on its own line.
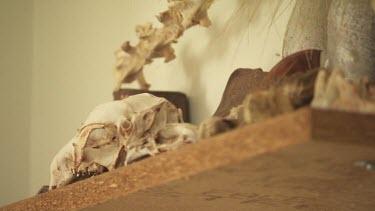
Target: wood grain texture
column 343, row 126
column 308, row 175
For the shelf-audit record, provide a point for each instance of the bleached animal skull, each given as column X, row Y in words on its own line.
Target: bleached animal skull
column 168, row 138
column 117, row 133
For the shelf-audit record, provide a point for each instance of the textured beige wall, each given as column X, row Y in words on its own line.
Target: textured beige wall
column 74, row 41
column 15, row 90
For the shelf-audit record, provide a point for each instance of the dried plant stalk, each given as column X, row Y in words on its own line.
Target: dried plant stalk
column 156, row 42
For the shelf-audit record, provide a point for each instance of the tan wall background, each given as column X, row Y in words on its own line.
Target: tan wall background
column 73, row 45
column 15, row 90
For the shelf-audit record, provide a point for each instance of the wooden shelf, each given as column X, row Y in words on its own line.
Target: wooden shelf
column 304, row 159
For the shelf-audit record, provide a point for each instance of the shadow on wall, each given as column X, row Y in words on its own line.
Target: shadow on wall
column 238, row 27
column 219, row 41
column 222, row 40
column 192, row 65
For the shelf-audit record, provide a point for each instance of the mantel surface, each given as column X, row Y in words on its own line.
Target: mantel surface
column 299, row 159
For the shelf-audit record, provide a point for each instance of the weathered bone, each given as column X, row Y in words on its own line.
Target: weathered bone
column 289, row 85
column 157, row 42
column 334, row 91
column 287, row 95
column 118, row 133
column 283, row 96
column 173, row 135
column 215, row 125
column 169, row 137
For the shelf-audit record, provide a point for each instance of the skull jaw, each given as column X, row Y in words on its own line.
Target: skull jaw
column 97, row 161
column 97, row 150
column 90, row 170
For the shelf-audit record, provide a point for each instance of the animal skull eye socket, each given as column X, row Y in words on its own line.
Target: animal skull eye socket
column 126, row 127
column 145, row 116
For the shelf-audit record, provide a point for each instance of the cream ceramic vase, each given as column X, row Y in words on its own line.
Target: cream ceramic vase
column 351, row 38
column 307, row 27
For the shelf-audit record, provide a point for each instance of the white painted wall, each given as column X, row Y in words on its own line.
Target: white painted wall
column 73, row 45
column 15, row 90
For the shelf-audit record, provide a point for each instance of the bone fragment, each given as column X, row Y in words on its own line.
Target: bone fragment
column 157, row 42
column 334, row 91
column 288, row 94
column 215, row 125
